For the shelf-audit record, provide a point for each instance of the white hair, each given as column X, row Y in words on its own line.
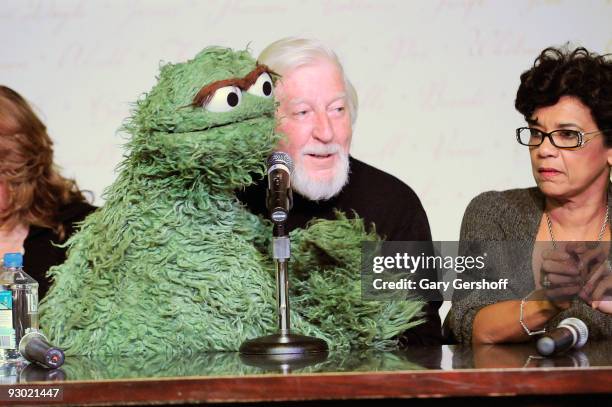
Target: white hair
column 314, row 189
column 290, row 53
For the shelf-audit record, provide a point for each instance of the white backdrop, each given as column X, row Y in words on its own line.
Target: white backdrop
column 436, row 79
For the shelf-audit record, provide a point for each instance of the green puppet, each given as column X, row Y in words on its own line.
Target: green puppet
column 173, row 262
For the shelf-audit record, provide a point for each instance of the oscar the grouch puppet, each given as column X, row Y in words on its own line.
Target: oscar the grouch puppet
column 173, row 262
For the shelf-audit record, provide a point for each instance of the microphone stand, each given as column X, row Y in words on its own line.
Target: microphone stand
column 284, row 348
column 281, row 252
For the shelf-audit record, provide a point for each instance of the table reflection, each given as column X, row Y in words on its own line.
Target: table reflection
column 429, row 358
column 226, row 364
column 524, row 355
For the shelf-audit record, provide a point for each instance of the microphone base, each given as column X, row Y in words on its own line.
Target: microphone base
column 283, row 344
column 283, row 353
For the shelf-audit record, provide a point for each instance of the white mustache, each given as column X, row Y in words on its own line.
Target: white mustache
column 324, row 149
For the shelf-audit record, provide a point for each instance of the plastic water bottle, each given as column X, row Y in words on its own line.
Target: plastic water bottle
column 18, row 305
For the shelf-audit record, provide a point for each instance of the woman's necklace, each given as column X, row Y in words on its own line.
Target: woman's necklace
column 601, row 231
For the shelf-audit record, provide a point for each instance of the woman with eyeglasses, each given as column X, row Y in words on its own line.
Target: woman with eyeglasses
column 566, row 99
column 38, row 207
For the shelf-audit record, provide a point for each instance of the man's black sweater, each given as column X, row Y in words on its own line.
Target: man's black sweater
column 378, row 198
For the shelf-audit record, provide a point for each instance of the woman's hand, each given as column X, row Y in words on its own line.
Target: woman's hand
column 595, row 273
column 602, row 295
column 578, row 268
column 560, row 274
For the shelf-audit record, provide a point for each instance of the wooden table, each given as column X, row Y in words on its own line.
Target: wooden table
column 509, row 373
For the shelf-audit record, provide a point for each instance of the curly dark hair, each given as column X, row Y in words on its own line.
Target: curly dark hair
column 559, row 72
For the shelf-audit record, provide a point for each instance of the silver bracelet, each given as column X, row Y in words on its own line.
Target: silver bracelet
column 525, row 328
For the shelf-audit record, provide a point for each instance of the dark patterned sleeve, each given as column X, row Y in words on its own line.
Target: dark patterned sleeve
column 477, row 227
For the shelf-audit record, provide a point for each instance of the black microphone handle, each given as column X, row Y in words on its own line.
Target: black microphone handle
column 279, row 193
column 35, row 348
column 557, row 341
column 571, row 332
column 279, row 198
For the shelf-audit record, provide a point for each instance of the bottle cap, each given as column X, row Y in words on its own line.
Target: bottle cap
column 13, row 260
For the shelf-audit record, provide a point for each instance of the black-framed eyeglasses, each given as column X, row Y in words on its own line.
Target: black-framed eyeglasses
column 563, row 138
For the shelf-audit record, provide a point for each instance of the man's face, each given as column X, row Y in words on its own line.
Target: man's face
column 313, row 114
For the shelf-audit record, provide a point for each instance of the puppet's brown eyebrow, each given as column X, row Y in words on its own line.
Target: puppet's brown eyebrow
column 252, row 76
column 204, row 95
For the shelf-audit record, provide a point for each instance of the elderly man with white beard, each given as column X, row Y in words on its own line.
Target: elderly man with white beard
column 316, row 112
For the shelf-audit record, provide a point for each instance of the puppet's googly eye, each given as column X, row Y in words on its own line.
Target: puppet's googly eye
column 262, row 86
column 224, row 99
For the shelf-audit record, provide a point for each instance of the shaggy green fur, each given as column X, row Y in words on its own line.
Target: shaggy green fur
column 174, row 263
